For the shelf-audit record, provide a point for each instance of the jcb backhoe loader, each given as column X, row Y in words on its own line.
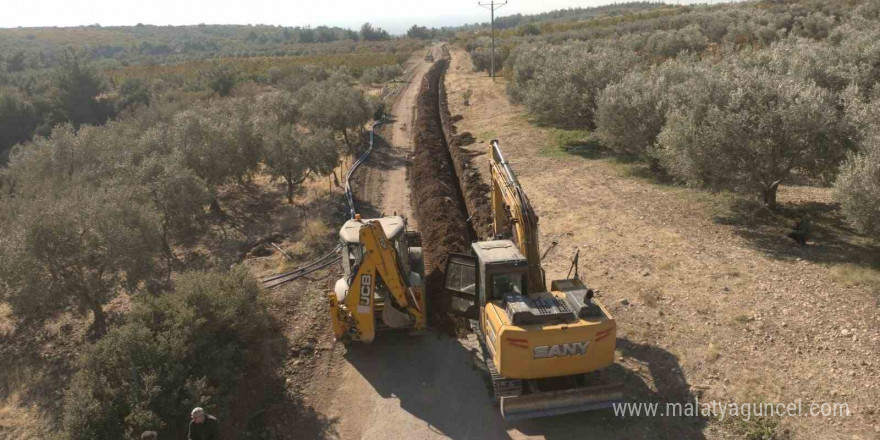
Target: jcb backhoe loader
column 382, row 283
column 541, row 348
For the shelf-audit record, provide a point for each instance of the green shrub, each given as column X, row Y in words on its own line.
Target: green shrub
column 186, row 348
column 381, row 74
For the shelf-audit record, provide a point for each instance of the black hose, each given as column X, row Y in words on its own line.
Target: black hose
column 282, row 278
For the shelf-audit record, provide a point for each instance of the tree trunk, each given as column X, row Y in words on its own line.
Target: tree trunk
column 99, row 325
column 769, row 194
column 348, row 142
column 215, row 207
column 169, row 254
column 290, row 187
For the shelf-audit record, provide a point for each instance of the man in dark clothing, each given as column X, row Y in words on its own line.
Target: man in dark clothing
column 203, row 426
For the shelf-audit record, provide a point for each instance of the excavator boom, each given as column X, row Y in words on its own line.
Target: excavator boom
column 513, row 216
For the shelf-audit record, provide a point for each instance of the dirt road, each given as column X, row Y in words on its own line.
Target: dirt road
column 419, row 387
column 383, row 178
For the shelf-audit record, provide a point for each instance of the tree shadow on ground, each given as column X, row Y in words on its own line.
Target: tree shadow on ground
column 439, row 381
column 248, row 221
column 266, row 406
column 590, row 149
column 832, row 240
column 386, row 156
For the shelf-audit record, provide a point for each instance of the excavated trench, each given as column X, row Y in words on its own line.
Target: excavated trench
column 440, row 199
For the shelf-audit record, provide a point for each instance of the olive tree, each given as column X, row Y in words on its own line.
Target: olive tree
column 631, row 113
column 188, row 347
column 564, row 92
column 294, row 155
column 18, row 120
column 178, row 197
column 336, row 105
column 76, row 251
column 746, row 130
column 858, row 187
column 220, row 143
column 670, row 43
column 293, row 150
column 76, row 91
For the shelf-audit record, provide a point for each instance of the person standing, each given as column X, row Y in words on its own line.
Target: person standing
column 203, row 426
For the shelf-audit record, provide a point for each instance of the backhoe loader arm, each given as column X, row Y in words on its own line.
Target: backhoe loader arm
column 380, row 259
column 388, row 264
column 510, row 204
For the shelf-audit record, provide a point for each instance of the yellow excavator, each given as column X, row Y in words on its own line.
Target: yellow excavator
column 381, row 287
column 542, row 349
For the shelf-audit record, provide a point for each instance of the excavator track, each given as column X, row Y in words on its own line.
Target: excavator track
column 501, row 386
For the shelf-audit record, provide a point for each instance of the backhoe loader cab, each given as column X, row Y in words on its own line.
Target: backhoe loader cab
column 381, row 286
column 349, row 237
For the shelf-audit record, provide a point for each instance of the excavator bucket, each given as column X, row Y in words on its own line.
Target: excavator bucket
column 551, row 403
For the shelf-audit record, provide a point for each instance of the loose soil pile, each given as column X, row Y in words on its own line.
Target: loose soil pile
column 436, row 197
column 475, row 190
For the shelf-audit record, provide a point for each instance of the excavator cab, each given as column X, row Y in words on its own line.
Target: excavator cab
column 497, row 268
column 541, row 347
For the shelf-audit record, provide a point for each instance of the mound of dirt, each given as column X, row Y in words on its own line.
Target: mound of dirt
column 436, row 198
column 464, row 139
column 475, row 190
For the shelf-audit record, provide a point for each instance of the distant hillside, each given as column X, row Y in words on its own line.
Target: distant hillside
column 39, row 47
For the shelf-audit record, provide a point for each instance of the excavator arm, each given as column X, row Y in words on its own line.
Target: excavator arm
column 513, row 216
column 357, row 314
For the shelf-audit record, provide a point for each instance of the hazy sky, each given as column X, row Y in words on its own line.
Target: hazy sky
column 393, row 15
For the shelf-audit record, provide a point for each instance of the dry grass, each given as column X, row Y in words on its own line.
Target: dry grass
column 852, row 275
column 20, row 422
column 650, row 297
column 7, row 323
column 315, row 233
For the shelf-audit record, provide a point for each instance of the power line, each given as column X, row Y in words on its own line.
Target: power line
column 492, row 6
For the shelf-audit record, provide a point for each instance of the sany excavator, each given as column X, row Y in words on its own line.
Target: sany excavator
column 382, row 283
column 541, row 348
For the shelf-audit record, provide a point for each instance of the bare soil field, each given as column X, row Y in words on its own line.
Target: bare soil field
column 712, row 302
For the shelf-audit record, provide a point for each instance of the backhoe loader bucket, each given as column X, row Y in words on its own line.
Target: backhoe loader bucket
column 553, row 403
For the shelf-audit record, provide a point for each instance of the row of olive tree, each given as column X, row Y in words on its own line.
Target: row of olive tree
column 97, row 211
column 559, row 84
column 94, row 212
column 745, row 123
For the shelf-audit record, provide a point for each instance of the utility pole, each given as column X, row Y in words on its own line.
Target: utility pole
column 492, row 6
